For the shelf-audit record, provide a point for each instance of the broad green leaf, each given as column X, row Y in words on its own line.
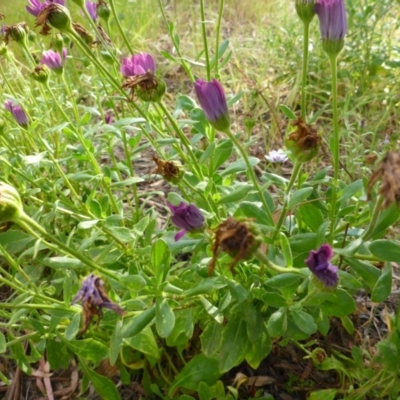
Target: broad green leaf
column 277, row 323
column 105, row 388
column 73, row 327
column 299, row 196
column 132, row 326
column 238, row 292
column 388, row 354
column 211, row 338
column 57, row 354
column 207, row 153
column 286, row 251
column 274, row 299
column 88, row 349
column 348, row 324
column 236, row 195
column 199, row 369
column 165, row 318
column 222, row 152
column 311, row 216
column 134, row 282
column 259, row 350
column 207, row 392
column 239, row 166
column 212, row 310
column 160, row 259
column 367, row 271
column 327, row 394
column 250, row 210
column 287, row 112
column 386, row 218
column 338, row 304
column 383, row 286
column 204, row 287
column 304, row 321
column 283, row 280
column 115, row 342
column 386, row 250
column 351, row 190
column 233, row 344
column 144, row 342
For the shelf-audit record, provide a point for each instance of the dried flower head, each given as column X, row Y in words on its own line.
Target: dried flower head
column 40, row 73
column 146, row 86
column 55, row 15
column 322, row 269
column 304, row 143
column 35, row 6
column 16, row 32
column 83, row 33
column 171, row 171
column 388, row 172
column 187, row 217
column 237, row 238
column 94, row 298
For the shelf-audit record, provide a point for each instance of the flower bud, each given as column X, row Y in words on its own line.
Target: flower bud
column 152, row 93
column 16, row 32
column 103, row 11
column 32, row 36
column 3, row 49
column 304, row 143
column 57, row 42
column 10, row 203
column 40, row 74
column 305, row 10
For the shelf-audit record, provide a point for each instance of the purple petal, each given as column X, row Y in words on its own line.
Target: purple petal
column 180, row 235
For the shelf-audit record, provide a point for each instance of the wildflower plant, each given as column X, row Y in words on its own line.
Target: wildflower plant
column 142, row 201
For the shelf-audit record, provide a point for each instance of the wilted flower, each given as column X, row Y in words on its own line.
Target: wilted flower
column 323, row 270
column 57, row 16
column 237, row 238
column 94, row 297
column 36, row 5
column 83, row 33
column 276, row 156
column 91, row 9
column 171, row 171
column 388, row 172
column 40, row 73
column 187, row 217
column 139, row 71
column 138, row 64
column 305, row 10
column 212, row 100
column 54, row 60
column 10, row 203
column 16, row 32
column 304, row 143
column 17, row 112
column 332, row 23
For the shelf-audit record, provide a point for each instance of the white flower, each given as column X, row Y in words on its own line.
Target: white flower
column 276, row 156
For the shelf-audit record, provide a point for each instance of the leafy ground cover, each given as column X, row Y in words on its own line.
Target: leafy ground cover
column 199, row 200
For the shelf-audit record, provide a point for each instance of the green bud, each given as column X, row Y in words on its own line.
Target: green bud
column 57, row 42
column 107, row 57
column 32, row 36
column 60, row 18
column 17, row 32
column 249, row 122
column 3, row 49
column 103, row 11
column 10, row 203
column 151, row 92
column 305, row 10
column 332, row 47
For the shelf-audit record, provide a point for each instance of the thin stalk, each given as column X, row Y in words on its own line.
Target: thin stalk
column 273, row 267
column 121, row 31
column 218, row 34
column 306, row 26
column 204, row 34
column 295, row 173
column 374, row 218
column 251, row 172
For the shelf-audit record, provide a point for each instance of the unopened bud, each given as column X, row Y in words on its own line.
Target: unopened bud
column 103, row 11
column 10, row 203
column 40, row 74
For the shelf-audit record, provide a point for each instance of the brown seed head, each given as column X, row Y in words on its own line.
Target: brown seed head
column 236, row 239
column 388, row 172
column 306, row 136
column 171, row 171
column 146, row 82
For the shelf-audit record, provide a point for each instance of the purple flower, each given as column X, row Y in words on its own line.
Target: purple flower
column 138, row 64
column 17, row 112
column 54, row 60
column 187, row 217
column 108, row 118
column 332, row 19
column 276, row 156
column 319, row 264
column 212, row 100
column 35, row 6
column 91, row 9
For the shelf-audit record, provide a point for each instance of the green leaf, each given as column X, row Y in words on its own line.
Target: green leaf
column 204, row 287
column 238, row 292
column 386, row 218
column 73, row 327
column 212, row 310
column 132, row 326
column 57, row 354
column 367, row 271
column 233, row 344
column 311, row 216
column 255, row 322
column 386, row 250
column 165, row 318
column 222, row 152
column 88, row 349
column 211, row 338
column 127, row 182
column 236, row 195
column 286, row 250
column 144, row 342
column 304, row 321
column 348, row 324
column 250, row 210
column 274, row 299
column 160, row 259
column 388, row 354
column 259, row 350
column 287, row 112
column 134, row 282
column 327, row 394
column 115, row 342
column 383, row 286
column 199, row 369
column 351, row 190
column 105, row 388
column 239, row 166
column 299, row 196
column 3, row 343
column 338, row 304
column 283, row 280
column 207, row 153
column 277, row 323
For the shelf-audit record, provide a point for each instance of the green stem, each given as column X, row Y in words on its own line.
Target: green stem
column 37, row 231
column 251, row 172
column 218, row 34
column 336, row 140
column 204, row 34
column 304, row 72
column 295, row 173
column 121, row 31
column 273, row 267
column 374, row 218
